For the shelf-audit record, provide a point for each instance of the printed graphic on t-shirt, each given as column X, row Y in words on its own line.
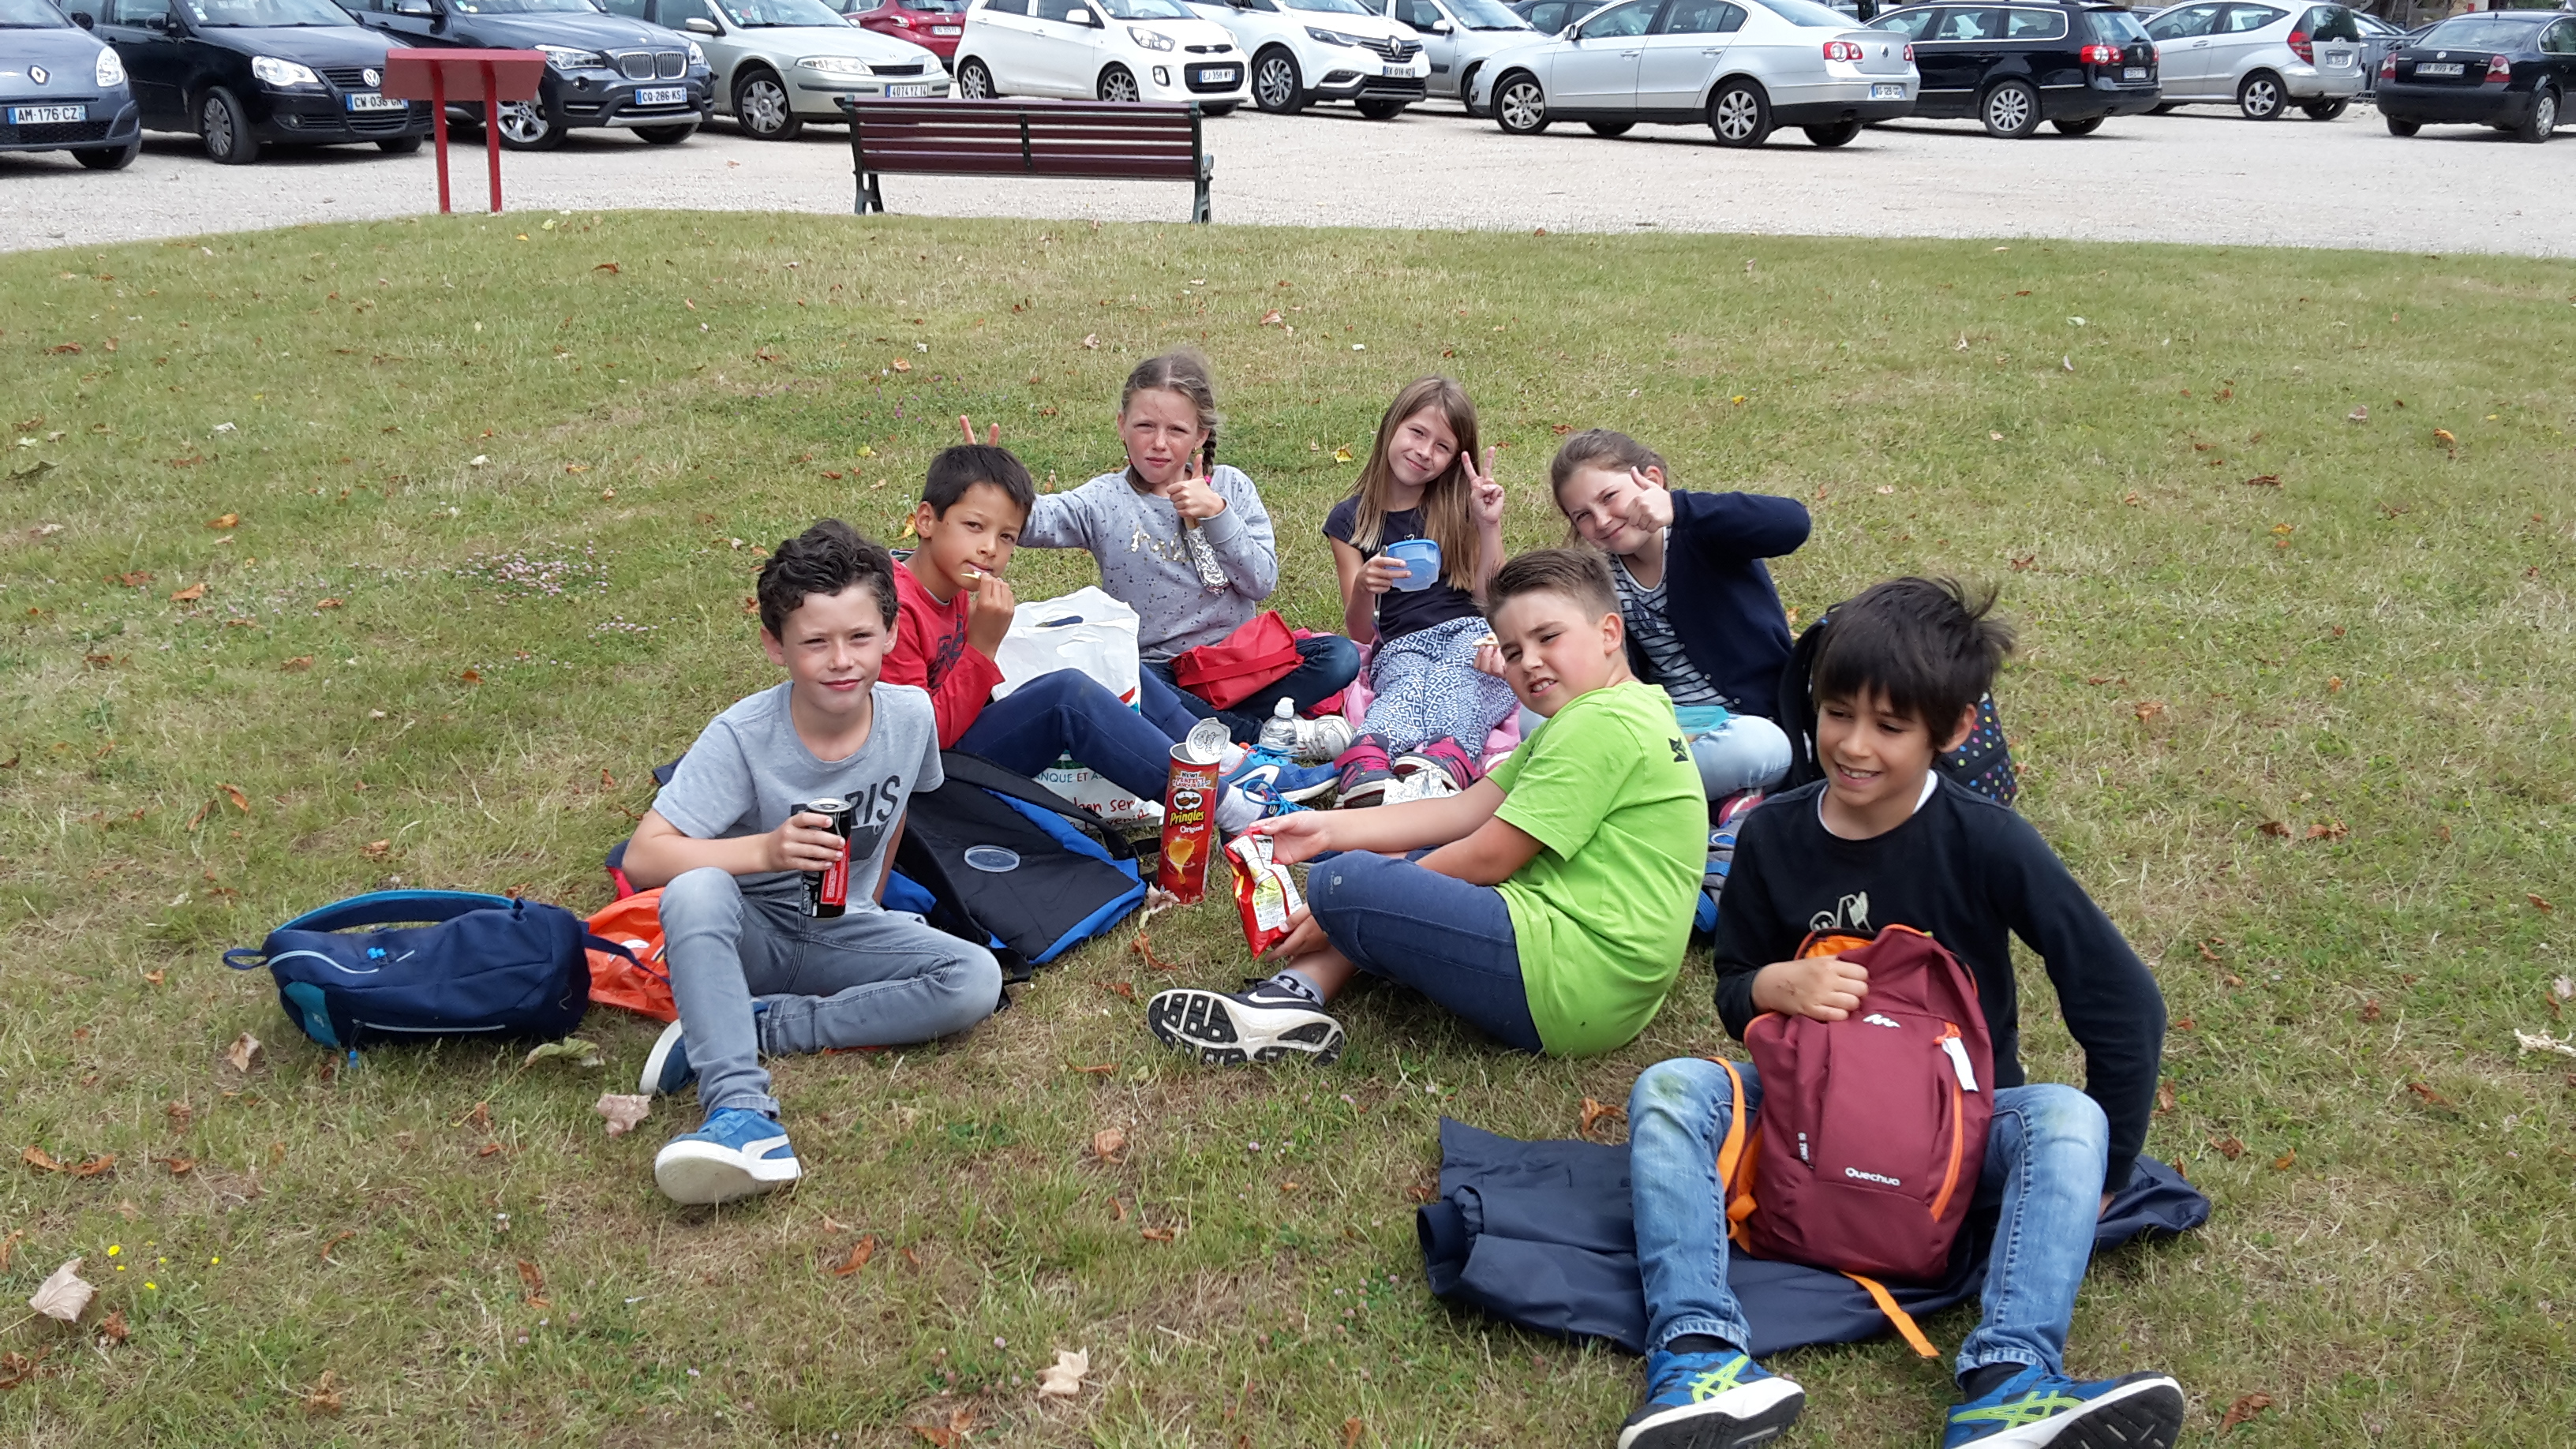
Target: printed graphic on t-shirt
column 1849, row 915
column 948, row 648
column 871, row 811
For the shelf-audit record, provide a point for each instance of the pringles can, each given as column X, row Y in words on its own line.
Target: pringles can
column 1189, row 811
column 827, row 892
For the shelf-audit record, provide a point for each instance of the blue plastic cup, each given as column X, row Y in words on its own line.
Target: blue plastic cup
column 1421, row 557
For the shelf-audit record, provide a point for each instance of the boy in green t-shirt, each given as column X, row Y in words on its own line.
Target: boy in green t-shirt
column 1553, row 910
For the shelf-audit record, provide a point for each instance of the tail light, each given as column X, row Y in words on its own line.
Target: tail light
column 1842, row 50
column 2100, row 55
column 1909, row 55
column 2388, row 66
column 2499, row 68
column 2300, row 47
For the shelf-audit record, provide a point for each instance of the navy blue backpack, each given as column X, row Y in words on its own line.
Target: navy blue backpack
column 460, row 964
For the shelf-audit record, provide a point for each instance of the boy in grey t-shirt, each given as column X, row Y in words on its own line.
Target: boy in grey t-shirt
column 752, row 974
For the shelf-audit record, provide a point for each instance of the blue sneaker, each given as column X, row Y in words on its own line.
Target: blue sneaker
column 666, row 1067
column 1286, row 778
column 1711, row 1401
column 736, row 1154
column 2033, row 1407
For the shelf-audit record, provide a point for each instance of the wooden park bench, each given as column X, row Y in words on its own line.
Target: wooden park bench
column 1118, row 140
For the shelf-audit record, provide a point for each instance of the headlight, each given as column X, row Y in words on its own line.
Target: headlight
column 1149, row 39
column 567, row 57
column 111, row 71
column 835, row 65
column 697, row 57
column 274, row 72
column 1330, row 37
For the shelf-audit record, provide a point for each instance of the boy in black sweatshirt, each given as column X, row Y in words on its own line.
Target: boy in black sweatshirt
column 1885, row 840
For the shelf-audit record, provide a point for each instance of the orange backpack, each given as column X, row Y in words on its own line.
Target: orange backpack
column 634, row 922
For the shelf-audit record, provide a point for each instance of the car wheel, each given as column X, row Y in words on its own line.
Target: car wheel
column 2010, row 110
column 666, row 135
column 1520, row 105
column 974, row 82
column 2398, row 127
column 2325, row 110
column 399, row 145
column 2259, row 96
column 525, row 126
column 1740, row 114
column 1610, row 128
column 761, row 107
column 1381, row 110
column 110, row 158
column 1223, row 109
column 1840, row 133
column 225, row 130
column 2085, row 127
column 1118, row 83
column 1276, row 85
column 2543, row 119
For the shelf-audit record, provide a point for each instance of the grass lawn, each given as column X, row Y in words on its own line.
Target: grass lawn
column 459, row 517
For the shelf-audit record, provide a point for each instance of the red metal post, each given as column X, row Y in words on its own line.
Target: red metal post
column 438, row 125
column 492, row 130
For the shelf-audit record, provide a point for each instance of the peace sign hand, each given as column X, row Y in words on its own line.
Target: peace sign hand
column 1484, row 490
column 992, row 438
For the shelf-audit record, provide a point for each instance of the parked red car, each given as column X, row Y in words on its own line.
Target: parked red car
column 933, row 23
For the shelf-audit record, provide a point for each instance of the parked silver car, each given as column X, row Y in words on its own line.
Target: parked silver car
column 2262, row 59
column 780, row 63
column 1739, row 69
column 1459, row 36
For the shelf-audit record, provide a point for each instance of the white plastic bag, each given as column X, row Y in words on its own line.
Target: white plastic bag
column 1079, row 784
column 1085, row 630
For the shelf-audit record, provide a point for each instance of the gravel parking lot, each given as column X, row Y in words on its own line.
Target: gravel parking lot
column 2193, row 176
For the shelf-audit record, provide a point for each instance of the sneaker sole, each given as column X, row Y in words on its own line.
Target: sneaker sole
column 702, row 1174
column 2144, row 1415
column 1365, row 793
column 1753, row 1418
column 1225, row 1032
column 651, row 1082
column 1324, row 786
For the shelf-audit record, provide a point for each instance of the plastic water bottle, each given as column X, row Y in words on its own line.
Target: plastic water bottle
column 1279, row 732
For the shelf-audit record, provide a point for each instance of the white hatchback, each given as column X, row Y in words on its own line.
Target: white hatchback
column 1110, row 50
column 1304, row 51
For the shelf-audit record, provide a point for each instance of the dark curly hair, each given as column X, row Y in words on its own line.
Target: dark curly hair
column 1932, row 646
column 824, row 559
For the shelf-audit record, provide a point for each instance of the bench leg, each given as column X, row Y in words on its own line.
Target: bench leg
column 871, row 194
column 1199, row 206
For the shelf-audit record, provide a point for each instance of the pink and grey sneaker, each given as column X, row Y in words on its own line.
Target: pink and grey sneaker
column 1365, row 771
column 1445, row 755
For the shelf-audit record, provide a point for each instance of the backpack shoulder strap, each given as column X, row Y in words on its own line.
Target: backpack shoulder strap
column 1904, row 1321
column 1735, row 1158
column 386, row 908
column 983, row 774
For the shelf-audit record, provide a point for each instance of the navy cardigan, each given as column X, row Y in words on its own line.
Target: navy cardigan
column 1719, row 596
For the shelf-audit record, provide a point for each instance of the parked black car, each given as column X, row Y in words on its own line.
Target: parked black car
column 243, row 74
column 1547, row 17
column 2013, row 66
column 601, row 70
column 2510, row 69
column 63, row 90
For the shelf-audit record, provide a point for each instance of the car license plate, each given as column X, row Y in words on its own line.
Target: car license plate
column 2438, row 68
column 1396, row 70
column 947, row 30
column 2338, row 61
column 662, row 96
column 46, row 115
column 1217, row 75
column 370, row 101
column 1887, row 92
column 2133, row 72
column 916, row 88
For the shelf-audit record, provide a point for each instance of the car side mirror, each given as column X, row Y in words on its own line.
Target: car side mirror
column 701, row 25
column 84, row 20
column 1443, row 27
column 1080, row 16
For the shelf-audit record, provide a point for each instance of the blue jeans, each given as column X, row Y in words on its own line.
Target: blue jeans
column 2045, row 1156
column 1331, row 662
column 1448, row 939
column 1745, row 752
column 1071, row 713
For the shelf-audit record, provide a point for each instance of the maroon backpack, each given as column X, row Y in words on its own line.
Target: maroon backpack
column 1872, row 1129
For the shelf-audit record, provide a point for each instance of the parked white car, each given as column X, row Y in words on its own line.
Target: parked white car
column 1304, row 51
column 1458, row 36
column 2263, row 59
column 781, row 63
column 1110, row 50
column 1739, row 69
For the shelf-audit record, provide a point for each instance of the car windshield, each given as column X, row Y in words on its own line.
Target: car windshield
column 2481, row 32
column 262, row 14
column 1807, row 12
column 1485, row 15
column 522, row 7
column 767, row 14
column 1146, row 10
column 2116, row 27
column 1331, row 7
column 30, row 15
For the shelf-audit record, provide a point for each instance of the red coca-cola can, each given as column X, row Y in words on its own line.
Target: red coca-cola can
column 827, row 892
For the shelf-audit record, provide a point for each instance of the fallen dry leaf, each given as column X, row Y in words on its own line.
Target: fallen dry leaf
column 470, row 676
column 2148, row 709
column 9, row 1247
column 113, row 1327
column 245, row 1053
column 609, row 267
column 1353, row 1428
column 2360, row 414
column 2264, row 480
column 234, row 793
column 961, row 1422
column 41, row 1160
column 64, row 1295
column 1158, row 1235
column 1595, row 1112
column 2370, row 1009
column 2329, row 830
column 17, row 1368
column 2431, row 1097
column 1108, row 1144
column 1092, row 341
column 1341, row 455
column 2564, row 988
column 93, row 1166
column 535, row 1279
column 1145, row 948
column 336, row 1241
column 1063, row 1378
column 623, row 1111
column 229, row 520
column 1118, row 987
column 860, row 1252
column 325, row 1395
column 2282, row 1163
column 1422, row 1192
column 2164, row 1098
column 2228, row 1147
column 376, row 849
column 2244, row 1409
column 2539, row 904
column 2275, row 827
column 572, row 1049
column 2443, row 437
column 296, row 665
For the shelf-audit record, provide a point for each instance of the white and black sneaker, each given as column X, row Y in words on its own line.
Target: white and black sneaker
column 1264, row 1022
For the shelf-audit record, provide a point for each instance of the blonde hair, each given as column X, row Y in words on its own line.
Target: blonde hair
column 1183, row 370
column 1448, row 505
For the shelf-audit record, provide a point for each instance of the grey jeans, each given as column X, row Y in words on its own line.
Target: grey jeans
column 869, row 978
